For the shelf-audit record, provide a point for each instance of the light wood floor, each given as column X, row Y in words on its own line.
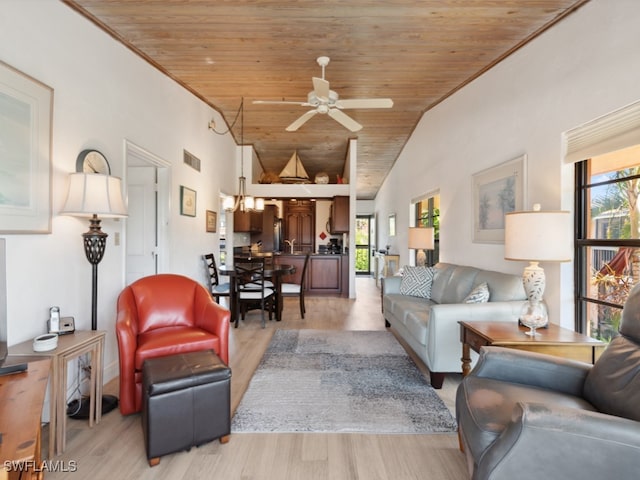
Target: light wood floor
column 114, row 449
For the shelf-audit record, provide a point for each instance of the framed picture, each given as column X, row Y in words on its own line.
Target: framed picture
column 187, row 201
column 392, row 225
column 212, row 221
column 496, row 191
column 26, row 112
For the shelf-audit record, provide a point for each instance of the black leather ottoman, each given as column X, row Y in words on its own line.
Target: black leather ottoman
column 185, row 402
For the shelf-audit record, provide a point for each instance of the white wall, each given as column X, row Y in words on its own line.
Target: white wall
column 103, row 94
column 365, row 207
column 580, row 69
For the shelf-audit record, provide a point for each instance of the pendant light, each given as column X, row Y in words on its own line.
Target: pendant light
column 242, row 201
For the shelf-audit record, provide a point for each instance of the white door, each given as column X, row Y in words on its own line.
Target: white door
column 142, row 232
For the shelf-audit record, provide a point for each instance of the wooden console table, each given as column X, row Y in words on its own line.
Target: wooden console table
column 553, row 340
column 69, row 346
column 21, row 399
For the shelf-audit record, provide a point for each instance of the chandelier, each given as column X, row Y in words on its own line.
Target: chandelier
column 241, row 201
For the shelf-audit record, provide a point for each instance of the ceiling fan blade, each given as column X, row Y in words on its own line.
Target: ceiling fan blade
column 300, row 121
column 365, row 103
column 279, row 102
column 321, row 88
column 344, row 119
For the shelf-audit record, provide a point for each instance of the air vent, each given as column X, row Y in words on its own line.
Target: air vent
column 191, row 160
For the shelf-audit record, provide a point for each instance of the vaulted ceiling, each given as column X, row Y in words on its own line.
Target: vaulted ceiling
column 415, row 52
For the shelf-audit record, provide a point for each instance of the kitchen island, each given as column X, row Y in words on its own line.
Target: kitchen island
column 327, row 274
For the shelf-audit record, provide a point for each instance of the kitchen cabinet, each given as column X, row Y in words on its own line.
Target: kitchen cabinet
column 298, row 262
column 326, row 274
column 299, row 224
column 301, row 206
column 339, row 218
column 247, row 221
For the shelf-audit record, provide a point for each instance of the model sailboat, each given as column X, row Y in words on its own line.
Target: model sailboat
column 294, row 171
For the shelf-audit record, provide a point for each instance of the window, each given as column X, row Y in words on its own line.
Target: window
column 607, row 239
column 363, row 247
column 427, row 214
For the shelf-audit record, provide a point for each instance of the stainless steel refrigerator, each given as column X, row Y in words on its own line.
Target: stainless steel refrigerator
column 277, row 234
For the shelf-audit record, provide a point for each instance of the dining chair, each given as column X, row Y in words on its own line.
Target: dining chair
column 297, row 289
column 251, row 291
column 216, row 288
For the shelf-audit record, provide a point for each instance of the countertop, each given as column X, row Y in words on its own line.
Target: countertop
column 286, row 254
column 302, row 254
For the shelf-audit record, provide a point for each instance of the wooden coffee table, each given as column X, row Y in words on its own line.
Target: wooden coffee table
column 552, row 340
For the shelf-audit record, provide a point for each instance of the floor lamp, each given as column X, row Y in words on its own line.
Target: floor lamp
column 95, row 196
column 421, row 239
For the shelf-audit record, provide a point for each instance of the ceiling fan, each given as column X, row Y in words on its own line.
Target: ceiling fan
column 326, row 101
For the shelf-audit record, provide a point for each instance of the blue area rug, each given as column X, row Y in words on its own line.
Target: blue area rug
column 337, row 381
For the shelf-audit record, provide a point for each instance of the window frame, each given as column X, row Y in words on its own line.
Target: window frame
column 582, row 243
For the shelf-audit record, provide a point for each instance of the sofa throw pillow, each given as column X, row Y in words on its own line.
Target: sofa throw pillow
column 416, row 281
column 480, row 294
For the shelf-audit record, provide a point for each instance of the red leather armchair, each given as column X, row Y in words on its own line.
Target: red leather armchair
column 163, row 315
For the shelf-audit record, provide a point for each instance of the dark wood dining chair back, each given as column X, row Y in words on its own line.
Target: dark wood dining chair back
column 251, row 290
column 216, row 288
column 297, row 289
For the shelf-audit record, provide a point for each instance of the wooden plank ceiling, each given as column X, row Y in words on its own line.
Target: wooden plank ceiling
column 415, row 52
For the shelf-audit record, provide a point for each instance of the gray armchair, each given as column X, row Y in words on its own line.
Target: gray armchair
column 531, row 416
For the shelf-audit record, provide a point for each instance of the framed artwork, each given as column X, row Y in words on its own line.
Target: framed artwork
column 187, row 201
column 212, row 221
column 496, row 191
column 392, row 225
column 26, row 112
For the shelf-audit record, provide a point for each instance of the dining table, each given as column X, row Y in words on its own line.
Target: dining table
column 273, row 272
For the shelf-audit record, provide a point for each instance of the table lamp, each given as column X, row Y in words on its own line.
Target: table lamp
column 421, row 239
column 536, row 236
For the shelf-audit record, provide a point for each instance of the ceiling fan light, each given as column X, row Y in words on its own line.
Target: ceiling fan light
column 326, row 101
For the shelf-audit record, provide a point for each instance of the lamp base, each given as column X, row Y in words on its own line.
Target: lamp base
column 534, row 281
column 421, row 258
column 80, row 409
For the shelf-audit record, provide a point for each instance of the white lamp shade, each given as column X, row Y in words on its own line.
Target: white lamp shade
column 538, row 236
column 94, row 194
column 228, row 203
column 421, row 238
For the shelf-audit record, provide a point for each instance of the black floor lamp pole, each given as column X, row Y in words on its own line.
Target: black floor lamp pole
column 95, row 241
column 94, row 297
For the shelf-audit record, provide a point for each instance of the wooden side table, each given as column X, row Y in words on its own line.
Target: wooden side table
column 553, row 340
column 21, row 432
column 69, row 346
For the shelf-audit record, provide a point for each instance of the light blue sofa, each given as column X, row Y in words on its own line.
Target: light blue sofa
column 430, row 326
